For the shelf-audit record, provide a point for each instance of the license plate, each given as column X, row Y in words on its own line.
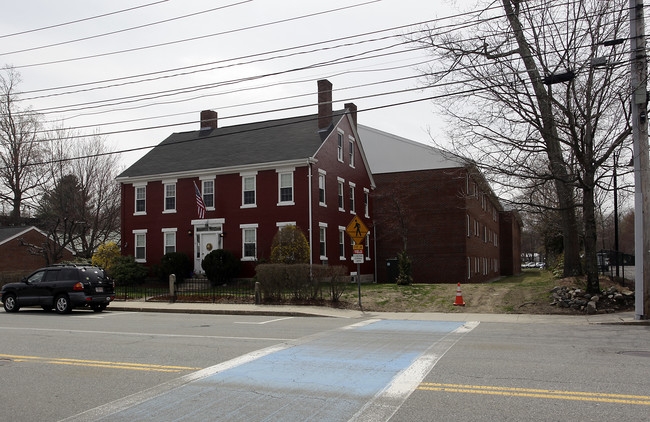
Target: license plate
column 99, row 289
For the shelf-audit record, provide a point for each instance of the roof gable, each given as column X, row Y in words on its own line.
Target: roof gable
column 388, row 153
column 9, row 233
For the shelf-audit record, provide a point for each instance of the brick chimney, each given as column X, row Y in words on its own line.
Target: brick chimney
column 208, row 120
column 351, row 109
column 324, row 104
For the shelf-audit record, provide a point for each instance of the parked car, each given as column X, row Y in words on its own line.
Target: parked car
column 61, row 287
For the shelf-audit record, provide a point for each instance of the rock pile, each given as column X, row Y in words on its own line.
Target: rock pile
column 608, row 301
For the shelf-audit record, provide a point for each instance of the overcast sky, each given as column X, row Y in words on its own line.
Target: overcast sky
column 257, row 40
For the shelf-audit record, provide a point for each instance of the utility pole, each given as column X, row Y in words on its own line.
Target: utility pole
column 639, row 85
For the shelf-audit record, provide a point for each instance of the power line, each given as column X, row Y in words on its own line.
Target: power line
column 223, row 66
column 262, row 25
column 294, row 121
column 82, row 20
column 235, row 64
column 237, row 81
column 239, row 90
column 183, row 90
column 119, row 31
column 448, row 27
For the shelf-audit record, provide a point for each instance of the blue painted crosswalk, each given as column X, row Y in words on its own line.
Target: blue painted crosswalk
column 326, row 378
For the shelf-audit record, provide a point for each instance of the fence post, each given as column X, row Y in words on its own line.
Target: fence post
column 258, row 293
column 172, row 288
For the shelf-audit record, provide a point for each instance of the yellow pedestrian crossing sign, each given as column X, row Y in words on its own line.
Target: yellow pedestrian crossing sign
column 357, row 230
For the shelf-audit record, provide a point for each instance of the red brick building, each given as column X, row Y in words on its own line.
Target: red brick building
column 15, row 256
column 441, row 209
column 308, row 171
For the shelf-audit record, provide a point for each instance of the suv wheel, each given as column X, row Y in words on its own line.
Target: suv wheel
column 98, row 308
column 10, row 303
column 62, row 304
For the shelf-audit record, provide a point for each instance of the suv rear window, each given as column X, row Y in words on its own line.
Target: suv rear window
column 93, row 275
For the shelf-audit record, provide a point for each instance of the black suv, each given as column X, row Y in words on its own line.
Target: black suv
column 61, row 287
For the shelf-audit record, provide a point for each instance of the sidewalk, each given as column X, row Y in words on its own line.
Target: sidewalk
column 317, row 311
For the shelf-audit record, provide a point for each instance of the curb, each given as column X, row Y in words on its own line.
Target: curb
column 216, row 311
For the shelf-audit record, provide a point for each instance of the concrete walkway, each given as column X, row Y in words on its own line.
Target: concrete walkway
column 317, row 311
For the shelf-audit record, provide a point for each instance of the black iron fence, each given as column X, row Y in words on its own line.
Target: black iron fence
column 189, row 290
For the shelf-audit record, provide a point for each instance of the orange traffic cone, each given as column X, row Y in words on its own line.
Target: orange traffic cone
column 459, row 297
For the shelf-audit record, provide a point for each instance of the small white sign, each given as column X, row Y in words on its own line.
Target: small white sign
column 357, row 256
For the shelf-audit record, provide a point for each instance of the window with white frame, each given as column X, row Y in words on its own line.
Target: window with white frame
column 352, row 206
column 339, row 147
column 366, row 203
column 140, row 245
column 140, row 200
column 285, row 191
column 469, row 267
column 342, row 243
column 169, row 240
column 341, row 183
column 351, row 152
column 469, row 226
column 321, row 187
column 248, row 183
column 207, row 192
column 170, row 197
column 249, row 242
column 322, row 244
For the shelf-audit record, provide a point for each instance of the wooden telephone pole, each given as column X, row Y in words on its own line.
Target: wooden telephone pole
column 639, row 85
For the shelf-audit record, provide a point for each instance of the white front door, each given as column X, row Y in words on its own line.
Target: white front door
column 208, row 242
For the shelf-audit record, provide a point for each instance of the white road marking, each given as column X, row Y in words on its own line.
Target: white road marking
column 263, row 322
column 150, row 393
column 387, row 402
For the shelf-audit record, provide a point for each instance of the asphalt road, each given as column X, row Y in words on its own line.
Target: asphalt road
column 128, row 366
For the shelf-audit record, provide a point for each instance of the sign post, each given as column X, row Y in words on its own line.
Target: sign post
column 357, row 232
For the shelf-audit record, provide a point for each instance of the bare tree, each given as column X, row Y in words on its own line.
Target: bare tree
column 92, row 163
column 60, row 212
column 19, row 147
column 539, row 106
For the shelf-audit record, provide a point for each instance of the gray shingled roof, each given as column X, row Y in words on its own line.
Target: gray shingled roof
column 9, row 232
column 232, row 146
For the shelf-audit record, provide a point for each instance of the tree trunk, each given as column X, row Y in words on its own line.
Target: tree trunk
column 550, row 136
column 570, row 233
column 15, row 210
column 591, row 261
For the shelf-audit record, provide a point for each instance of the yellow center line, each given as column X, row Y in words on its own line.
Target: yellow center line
column 113, row 366
column 101, row 364
column 539, row 393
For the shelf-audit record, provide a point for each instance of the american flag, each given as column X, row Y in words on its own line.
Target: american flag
column 200, row 205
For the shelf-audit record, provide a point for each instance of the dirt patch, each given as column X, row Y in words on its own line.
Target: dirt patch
column 531, row 298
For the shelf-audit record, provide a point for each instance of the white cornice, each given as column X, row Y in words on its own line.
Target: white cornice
column 215, row 171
